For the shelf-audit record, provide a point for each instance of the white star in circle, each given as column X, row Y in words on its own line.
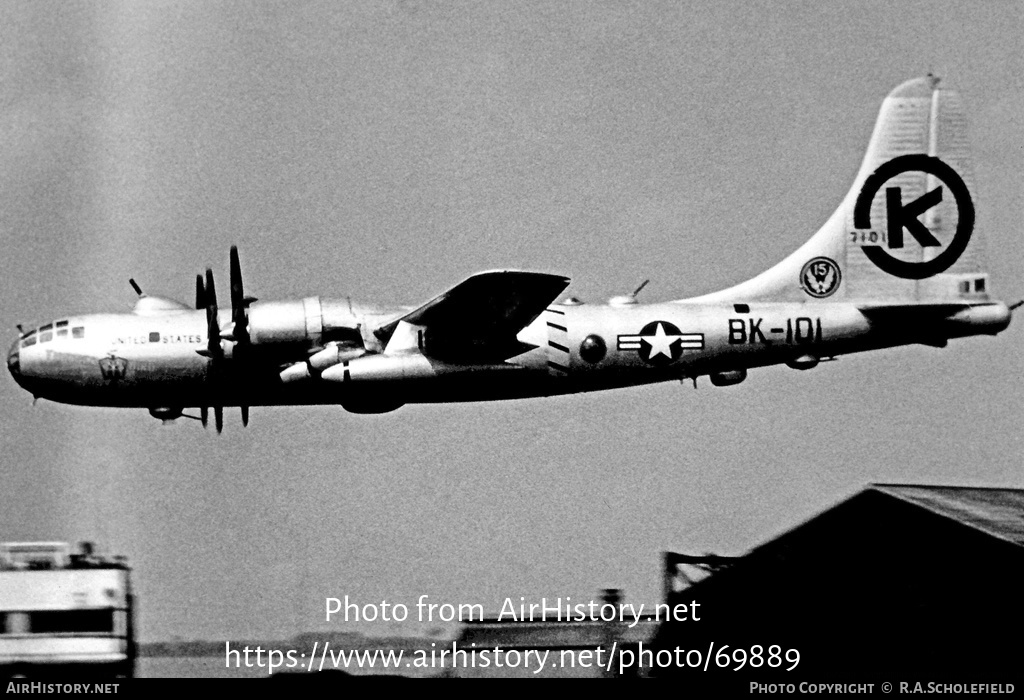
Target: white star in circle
column 660, row 342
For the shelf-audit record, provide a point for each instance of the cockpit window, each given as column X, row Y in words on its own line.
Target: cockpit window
column 61, row 324
column 78, row 332
column 45, row 336
column 30, row 340
column 61, row 332
column 47, row 327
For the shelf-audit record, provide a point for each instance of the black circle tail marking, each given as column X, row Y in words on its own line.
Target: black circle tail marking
column 906, row 216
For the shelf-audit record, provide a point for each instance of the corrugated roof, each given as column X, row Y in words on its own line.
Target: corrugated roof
column 997, row 511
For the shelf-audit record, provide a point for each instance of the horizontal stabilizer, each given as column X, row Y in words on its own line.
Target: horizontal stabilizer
column 884, row 311
column 940, row 321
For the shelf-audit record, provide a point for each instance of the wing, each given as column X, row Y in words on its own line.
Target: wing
column 477, row 320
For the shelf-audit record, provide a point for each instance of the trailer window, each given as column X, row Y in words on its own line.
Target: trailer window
column 56, row 621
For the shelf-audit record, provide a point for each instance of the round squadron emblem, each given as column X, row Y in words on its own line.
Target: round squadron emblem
column 820, row 277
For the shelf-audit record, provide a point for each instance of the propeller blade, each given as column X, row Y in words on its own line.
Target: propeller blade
column 211, row 290
column 238, row 304
column 200, row 293
column 245, row 416
column 204, row 415
column 213, row 348
column 218, row 418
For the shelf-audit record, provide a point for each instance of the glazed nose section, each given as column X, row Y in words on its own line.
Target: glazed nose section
column 14, row 361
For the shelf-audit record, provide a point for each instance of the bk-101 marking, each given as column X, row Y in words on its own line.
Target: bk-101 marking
column 799, row 330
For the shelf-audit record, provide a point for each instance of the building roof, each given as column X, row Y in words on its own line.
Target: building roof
column 996, row 511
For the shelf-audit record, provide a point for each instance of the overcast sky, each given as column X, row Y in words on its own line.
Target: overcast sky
column 386, row 150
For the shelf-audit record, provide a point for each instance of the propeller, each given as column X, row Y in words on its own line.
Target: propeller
column 237, row 332
column 239, row 318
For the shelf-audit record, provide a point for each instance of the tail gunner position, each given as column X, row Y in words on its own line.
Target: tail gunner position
column 899, row 262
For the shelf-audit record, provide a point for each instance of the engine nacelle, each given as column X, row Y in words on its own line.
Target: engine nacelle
column 286, row 322
column 729, row 378
column 307, row 322
column 381, row 369
column 333, row 354
column 368, row 380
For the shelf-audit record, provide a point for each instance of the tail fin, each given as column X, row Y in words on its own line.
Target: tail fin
column 905, row 232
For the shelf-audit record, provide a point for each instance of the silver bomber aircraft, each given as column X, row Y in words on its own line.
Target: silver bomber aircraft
column 899, row 262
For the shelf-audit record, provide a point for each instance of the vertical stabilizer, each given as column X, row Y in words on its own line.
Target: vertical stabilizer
column 906, row 231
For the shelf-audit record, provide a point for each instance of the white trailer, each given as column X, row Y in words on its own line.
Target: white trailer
column 64, row 613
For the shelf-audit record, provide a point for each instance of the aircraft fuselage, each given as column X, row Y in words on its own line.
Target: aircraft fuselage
column 157, row 361
column 899, row 262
